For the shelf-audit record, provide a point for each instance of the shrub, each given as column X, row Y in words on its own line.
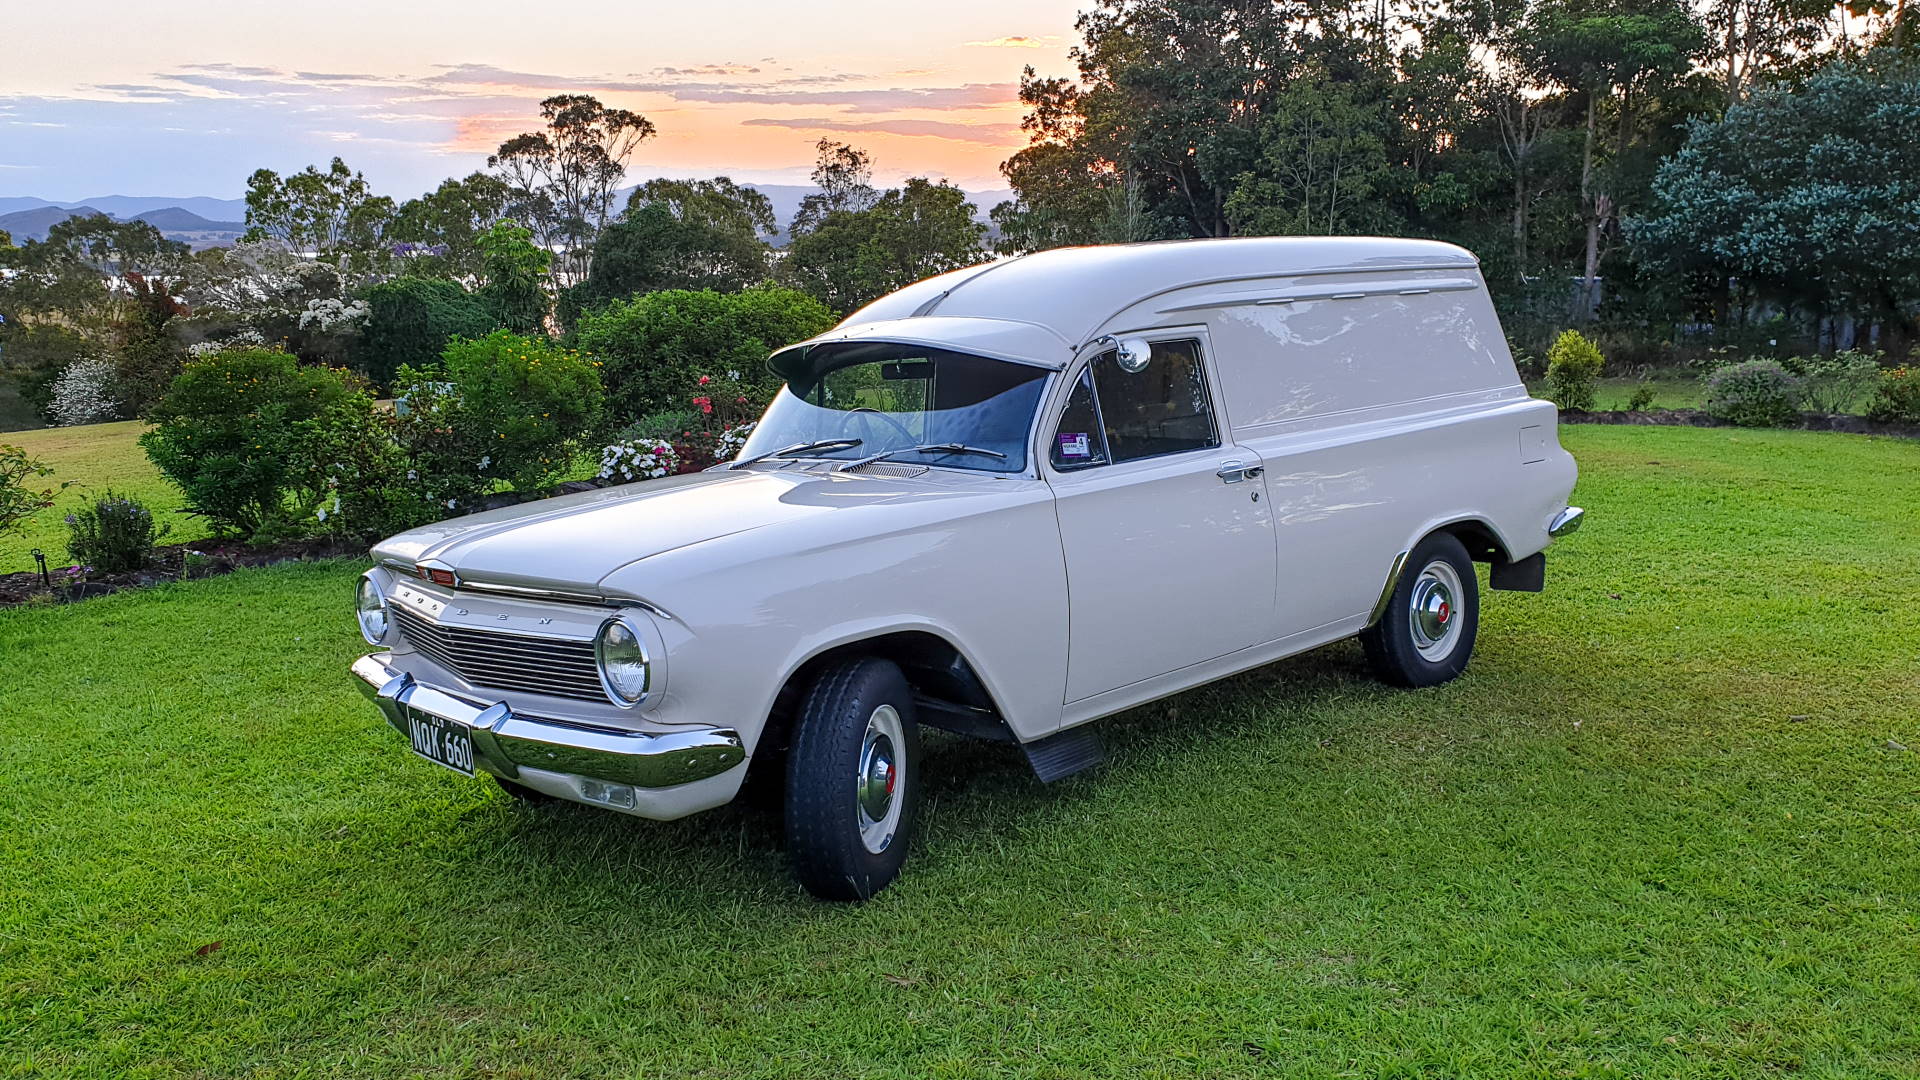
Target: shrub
column 1754, row 393
column 1642, row 398
column 20, row 498
column 639, row 458
column 1897, row 398
column 409, row 322
column 355, row 479
column 500, row 408
column 655, row 346
column 113, row 534
column 87, row 392
column 228, row 430
column 1835, row 384
column 1573, row 366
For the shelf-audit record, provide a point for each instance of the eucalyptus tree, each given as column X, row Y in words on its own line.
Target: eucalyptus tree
column 333, row 216
column 564, row 177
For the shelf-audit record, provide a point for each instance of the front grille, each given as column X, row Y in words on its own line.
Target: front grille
column 506, row 661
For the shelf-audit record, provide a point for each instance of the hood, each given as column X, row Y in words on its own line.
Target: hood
column 574, row 541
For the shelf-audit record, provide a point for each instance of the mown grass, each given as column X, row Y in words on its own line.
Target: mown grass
column 98, row 457
column 1663, row 827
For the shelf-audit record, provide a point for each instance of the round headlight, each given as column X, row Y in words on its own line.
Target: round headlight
column 370, row 607
column 623, row 661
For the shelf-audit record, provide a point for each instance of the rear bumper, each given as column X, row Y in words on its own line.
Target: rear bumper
column 543, row 754
column 1566, row 522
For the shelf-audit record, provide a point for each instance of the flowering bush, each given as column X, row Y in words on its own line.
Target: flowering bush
column 333, row 315
column 1897, row 398
column 87, row 392
column 244, row 338
column 353, row 476
column 638, row 459
column 19, row 498
column 228, row 434
column 113, row 534
column 1755, row 393
column 502, row 408
column 1573, row 367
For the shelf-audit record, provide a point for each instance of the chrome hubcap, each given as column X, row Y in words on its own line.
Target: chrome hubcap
column 1434, row 614
column 876, row 783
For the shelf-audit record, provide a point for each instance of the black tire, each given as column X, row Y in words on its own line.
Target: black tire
column 1407, row 654
column 831, row 755
column 524, row 794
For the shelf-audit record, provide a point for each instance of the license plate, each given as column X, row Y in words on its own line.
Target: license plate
column 442, row 742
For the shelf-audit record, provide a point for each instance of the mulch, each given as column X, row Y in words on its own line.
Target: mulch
column 209, row 558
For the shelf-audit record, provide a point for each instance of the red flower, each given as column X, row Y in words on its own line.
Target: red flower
column 704, row 380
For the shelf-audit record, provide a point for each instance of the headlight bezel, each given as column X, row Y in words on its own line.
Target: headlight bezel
column 362, row 614
column 636, row 651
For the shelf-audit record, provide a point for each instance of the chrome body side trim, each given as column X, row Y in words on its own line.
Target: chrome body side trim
column 1566, row 522
column 1386, row 591
column 503, row 742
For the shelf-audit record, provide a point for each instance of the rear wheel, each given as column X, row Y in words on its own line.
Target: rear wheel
column 852, row 780
column 1426, row 635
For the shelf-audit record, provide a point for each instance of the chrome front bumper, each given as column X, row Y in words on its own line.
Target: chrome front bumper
column 504, row 744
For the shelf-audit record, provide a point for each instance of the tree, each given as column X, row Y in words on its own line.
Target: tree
column 912, row 232
column 680, row 234
column 514, row 272
column 438, row 234
column 844, row 176
column 1611, row 52
column 1807, row 196
column 333, row 216
column 410, row 321
column 1322, row 163
column 564, row 177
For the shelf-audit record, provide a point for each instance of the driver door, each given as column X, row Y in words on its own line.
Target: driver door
column 1169, row 548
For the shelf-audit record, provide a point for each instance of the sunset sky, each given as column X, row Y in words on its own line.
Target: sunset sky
column 188, row 98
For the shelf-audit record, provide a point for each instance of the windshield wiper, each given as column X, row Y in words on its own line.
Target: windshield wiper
column 930, row 448
column 796, row 448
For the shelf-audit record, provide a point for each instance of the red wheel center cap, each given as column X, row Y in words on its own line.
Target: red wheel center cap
column 1446, row 612
column 890, row 781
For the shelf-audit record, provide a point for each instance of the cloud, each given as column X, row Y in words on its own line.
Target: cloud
column 986, row 134
column 1015, row 41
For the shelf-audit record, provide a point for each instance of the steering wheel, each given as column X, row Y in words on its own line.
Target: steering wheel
column 891, row 422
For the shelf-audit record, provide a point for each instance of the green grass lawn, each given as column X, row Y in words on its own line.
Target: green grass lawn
column 99, row 457
column 1665, row 826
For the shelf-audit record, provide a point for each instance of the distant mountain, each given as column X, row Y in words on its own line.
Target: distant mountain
column 124, row 206
column 33, row 224
column 176, row 219
column 175, row 223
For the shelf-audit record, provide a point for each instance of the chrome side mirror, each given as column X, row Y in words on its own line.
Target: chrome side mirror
column 1132, row 354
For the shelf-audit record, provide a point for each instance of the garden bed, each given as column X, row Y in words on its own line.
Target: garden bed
column 176, row 562
column 1842, row 422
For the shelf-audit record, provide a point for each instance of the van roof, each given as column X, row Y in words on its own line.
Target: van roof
column 1072, row 291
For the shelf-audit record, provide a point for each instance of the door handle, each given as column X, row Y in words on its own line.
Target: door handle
column 1232, row 472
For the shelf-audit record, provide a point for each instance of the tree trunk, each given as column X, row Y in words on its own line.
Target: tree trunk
column 1588, row 208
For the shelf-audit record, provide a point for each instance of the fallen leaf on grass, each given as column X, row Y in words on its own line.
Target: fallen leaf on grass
column 901, row 980
column 1892, row 745
column 209, row 948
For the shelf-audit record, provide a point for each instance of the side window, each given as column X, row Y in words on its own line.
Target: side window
column 1079, row 441
column 1162, row 409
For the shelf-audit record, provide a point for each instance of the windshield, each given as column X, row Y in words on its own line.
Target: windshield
column 898, row 397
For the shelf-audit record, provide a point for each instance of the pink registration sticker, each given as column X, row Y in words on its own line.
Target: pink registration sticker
column 1074, row 445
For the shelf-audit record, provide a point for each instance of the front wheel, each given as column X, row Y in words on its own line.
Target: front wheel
column 852, row 780
column 1426, row 635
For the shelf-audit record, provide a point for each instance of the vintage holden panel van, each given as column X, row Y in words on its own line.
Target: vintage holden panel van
column 1006, row 501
